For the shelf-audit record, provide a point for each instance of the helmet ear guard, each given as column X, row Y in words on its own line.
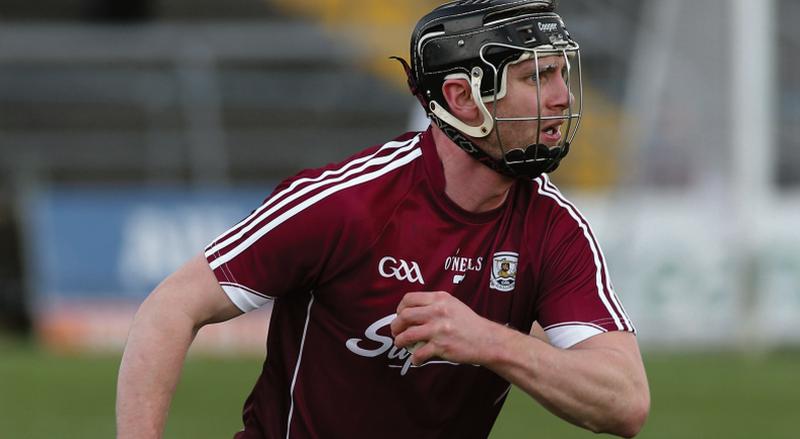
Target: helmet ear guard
column 477, row 42
column 482, row 130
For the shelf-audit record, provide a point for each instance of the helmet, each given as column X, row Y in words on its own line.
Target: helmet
column 477, row 40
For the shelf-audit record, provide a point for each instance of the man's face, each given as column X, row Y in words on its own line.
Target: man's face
column 521, row 100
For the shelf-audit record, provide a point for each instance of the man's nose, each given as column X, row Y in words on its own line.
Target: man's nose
column 560, row 95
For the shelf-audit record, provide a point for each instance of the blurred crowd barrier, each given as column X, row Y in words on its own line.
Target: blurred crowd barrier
column 675, row 261
column 125, row 148
column 95, row 252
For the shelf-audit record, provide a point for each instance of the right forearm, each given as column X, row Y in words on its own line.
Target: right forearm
column 150, row 370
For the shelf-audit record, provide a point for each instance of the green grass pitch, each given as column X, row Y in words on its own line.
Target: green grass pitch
column 718, row 395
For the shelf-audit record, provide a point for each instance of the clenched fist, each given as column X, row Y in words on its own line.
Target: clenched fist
column 436, row 324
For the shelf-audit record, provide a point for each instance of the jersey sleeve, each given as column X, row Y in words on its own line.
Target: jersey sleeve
column 309, row 228
column 283, row 246
column 576, row 300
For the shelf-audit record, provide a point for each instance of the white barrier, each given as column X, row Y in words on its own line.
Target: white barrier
column 686, row 275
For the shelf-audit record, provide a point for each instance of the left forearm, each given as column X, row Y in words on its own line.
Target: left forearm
column 600, row 388
column 599, row 383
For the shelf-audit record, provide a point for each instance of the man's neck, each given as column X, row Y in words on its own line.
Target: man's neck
column 470, row 184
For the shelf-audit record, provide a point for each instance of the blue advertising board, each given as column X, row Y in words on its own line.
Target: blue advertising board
column 119, row 243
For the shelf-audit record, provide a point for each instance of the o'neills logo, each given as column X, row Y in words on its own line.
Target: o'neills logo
column 461, row 265
column 377, row 345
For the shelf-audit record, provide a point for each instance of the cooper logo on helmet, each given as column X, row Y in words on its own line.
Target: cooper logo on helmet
column 548, row 27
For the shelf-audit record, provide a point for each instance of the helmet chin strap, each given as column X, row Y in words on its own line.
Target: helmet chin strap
column 527, row 163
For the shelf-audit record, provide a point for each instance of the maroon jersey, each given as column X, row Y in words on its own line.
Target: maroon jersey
column 336, row 249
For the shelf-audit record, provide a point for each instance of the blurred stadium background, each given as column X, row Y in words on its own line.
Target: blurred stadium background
column 134, row 131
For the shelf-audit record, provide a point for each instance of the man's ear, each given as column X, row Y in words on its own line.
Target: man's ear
column 458, row 95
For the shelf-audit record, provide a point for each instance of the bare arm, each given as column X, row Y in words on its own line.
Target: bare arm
column 599, row 384
column 162, row 331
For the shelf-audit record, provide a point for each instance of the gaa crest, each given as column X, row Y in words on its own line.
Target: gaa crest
column 504, row 271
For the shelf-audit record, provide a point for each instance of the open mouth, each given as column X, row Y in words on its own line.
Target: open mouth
column 550, row 134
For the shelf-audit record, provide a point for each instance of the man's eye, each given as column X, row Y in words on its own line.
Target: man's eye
column 542, row 75
column 546, row 70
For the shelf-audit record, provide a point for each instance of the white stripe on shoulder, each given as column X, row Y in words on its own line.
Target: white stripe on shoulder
column 566, row 335
column 586, row 233
column 609, row 288
column 393, row 163
column 285, row 198
column 216, row 245
column 244, row 298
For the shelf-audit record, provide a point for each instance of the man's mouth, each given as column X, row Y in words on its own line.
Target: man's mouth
column 550, row 134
